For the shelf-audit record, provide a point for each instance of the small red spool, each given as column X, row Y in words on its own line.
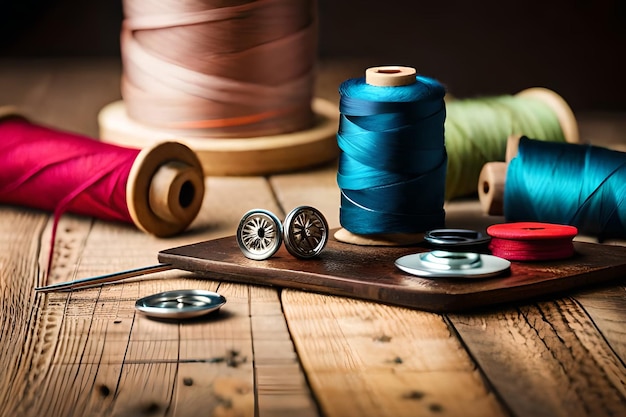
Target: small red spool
column 532, row 241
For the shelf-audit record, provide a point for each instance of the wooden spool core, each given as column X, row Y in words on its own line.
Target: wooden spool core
column 165, row 189
column 390, row 76
column 261, row 155
column 385, row 76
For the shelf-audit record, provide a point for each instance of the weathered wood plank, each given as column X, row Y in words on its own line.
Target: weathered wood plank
column 546, row 359
column 606, row 306
column 25, row 347
column 369, row 359
column 280, row 383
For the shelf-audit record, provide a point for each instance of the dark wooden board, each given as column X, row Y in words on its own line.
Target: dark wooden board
column 369, row 273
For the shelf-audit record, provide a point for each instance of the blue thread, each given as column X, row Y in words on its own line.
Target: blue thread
column 578, row 185
column 392, row 168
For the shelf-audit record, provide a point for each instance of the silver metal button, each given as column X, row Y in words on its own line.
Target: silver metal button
column 260, row 234
column 305, row 232
column 180, row 304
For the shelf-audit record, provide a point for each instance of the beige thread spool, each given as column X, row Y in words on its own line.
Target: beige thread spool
column 198, row 66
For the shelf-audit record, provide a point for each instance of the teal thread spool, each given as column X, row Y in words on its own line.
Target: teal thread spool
column 477, row 131
column 565, row 183
column 392, row 166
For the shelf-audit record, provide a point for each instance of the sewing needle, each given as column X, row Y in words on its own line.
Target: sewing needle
column 102, row 279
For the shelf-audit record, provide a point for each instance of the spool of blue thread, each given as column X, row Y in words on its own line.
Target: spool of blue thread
column 392, row 165
column 563, row 183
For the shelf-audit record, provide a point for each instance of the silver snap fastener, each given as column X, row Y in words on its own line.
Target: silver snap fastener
column 305, row 232
column 445, row 264
column 260, row 234
column 445, row 260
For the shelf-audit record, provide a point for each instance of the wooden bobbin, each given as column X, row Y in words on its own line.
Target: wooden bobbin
column 165, row 189
column 492, row 178
column 384, row 76
column 261, row 155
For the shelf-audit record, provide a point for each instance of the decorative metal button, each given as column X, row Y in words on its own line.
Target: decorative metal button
column 305, row 232
column 260, row 234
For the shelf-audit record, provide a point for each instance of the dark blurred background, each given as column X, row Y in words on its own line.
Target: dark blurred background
column 574, row 47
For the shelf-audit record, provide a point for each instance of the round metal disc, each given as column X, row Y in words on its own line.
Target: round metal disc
column 445, row 264
column 455, row 238
column 259, row 234
column 305, row 232
column 180, row 304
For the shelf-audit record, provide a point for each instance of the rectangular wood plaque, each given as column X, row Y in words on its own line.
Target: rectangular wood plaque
column 369, row 273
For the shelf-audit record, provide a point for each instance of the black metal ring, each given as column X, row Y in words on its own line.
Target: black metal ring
column 455, row 238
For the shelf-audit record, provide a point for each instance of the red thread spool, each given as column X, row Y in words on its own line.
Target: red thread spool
column 531, row 241
column 159, row 189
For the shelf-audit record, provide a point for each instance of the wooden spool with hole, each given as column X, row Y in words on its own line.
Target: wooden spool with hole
column 165, row 189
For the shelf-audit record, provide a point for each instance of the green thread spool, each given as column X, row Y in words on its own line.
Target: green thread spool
column 477, row 130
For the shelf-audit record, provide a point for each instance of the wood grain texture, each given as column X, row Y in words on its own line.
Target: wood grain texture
column 366, row 359
column 606, row 306
column 546, row 359
column 25, row 345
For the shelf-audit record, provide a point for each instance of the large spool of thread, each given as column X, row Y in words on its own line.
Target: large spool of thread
column 232, row 79
column 158, row 189
column 563, row 183
column 477, row 130
column 392, row 167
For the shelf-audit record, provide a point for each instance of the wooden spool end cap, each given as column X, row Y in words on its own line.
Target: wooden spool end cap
column 390, row 76
column 391, row 239
column 563, row 111
column 492, row 180
column 491, row 183
column 165, row 189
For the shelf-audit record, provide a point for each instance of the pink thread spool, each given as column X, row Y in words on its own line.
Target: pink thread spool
column 159, row 189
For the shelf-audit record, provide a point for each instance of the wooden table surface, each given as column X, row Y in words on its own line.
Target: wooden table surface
column 272, row 352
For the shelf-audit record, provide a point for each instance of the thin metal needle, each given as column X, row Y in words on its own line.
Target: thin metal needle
column 102, row 279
